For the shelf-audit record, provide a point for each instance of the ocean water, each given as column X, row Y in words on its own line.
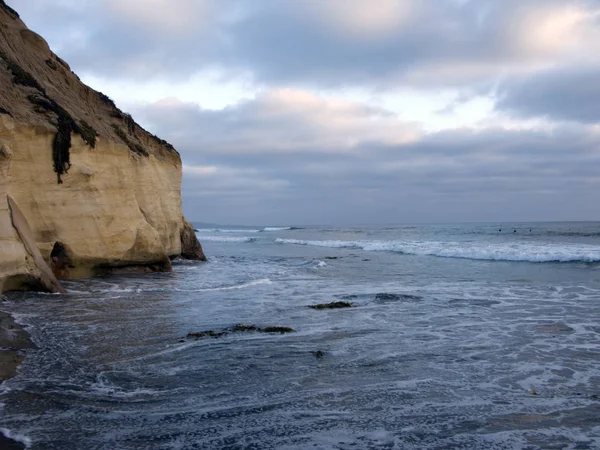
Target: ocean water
column 470, row 336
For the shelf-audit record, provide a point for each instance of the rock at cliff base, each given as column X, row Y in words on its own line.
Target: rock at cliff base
column 46, row 279
column 13, row 341
column 190, row 246
column 61, row 260
column 83, row 173
column 9, row 444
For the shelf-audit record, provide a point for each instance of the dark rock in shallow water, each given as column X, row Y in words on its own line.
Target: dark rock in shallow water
column 9, row 444
column 277, row 330
column 190, row 246
column 386, row 297
column 318, row 353
column 210, row 333
column 237, row 329
column 216, row 334
column 332, row 257
column 332, row 305
column 552, row 328
column 196, row 335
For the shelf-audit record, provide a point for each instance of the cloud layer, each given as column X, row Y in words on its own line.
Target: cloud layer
column 272, row 157
column 376, row 43
column 355, row 111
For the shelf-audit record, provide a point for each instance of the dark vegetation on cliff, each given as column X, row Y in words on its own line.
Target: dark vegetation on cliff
column 11, row 12
column 50, row 63
column 133, row 146
column 107, row 100
column 21, row 76
column 62, row 112
column 65, row 126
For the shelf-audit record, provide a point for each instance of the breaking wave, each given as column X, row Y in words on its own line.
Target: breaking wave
column 330, row 244
column 240, row 286
column 244, row 230
column 526, row 252
column 228, row 230
column 240, row 239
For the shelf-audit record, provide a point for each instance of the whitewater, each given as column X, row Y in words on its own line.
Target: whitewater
column 457, row 336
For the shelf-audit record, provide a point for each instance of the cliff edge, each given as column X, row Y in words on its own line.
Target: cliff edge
column 84, row 190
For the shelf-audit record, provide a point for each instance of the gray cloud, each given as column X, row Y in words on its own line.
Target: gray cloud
column 290, row 156
column 567, row 93
column 492, row 174
column 280, row 42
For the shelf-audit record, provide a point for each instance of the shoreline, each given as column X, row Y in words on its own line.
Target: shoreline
column 14, row 341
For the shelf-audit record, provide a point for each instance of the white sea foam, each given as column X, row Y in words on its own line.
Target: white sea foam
column 315, row 264
column 330, row 244
column 277, row 228
column 531, row 252
column 229, row 288
column 16, row 437
column 105, row 388
column 241, row 286
column 227, row 230
column 220, row 230
column 240, row 239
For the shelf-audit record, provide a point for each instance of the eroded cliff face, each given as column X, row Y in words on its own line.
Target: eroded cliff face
column 96, row 191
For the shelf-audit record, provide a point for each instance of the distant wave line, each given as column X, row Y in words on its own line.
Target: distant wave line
column 245, row 230
column 491, row 252
column 241, row 239
column 227, row 230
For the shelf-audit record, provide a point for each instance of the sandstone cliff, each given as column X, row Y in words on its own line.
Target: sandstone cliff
column 83, row 188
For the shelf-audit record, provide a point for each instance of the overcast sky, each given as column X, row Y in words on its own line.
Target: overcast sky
column 354, row 111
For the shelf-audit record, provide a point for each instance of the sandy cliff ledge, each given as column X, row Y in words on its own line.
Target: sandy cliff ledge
column 97, row 191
